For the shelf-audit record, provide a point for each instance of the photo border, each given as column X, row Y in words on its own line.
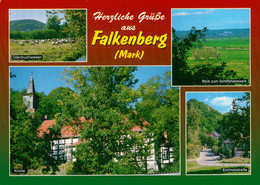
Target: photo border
column 46, row 62
column 250, row 52
column 119, row 175
column 186, row 132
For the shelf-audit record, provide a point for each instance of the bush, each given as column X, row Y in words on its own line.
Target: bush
column 196, row 53
column 211, row 72
column 18, row 167
column 205, row 53
column 215, row 149
column 230, row 153
column 193, row 151
column 171, row 168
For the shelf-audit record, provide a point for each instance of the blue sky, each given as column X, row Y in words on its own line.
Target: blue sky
column 221, row 101
column 39, row 15
column 213, row 19
column 47, row 78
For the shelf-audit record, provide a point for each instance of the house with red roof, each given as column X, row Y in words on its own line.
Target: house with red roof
column 69, row 137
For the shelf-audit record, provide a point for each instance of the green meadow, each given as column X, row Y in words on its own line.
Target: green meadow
column 242, row 42
column 62, row 52
column 194, row 168
column 234, row 51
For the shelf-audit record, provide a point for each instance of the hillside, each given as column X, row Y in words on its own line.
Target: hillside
column 208, row 116
column 224, row 33
column 26, row 25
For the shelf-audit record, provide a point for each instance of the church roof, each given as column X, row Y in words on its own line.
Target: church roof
column 31, row 88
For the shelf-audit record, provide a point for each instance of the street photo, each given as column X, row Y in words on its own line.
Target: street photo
column 218, row 139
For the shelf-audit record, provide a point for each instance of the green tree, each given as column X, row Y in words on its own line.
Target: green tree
column 27, row 149
column 201, row 120
column 235, row 125
column 203, row 138
column 193, row 131
column 180, row 48
column 53, row 23
column 74, row 26
column 106, row 100
column 211, row 141
column 182, row 73
column 159, row 105
column 52, row 105
column 22, row 144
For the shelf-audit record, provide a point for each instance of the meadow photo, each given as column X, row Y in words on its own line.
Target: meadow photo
column 93, row 121
column 47, row 35
column 218, row 133
column 210, row 47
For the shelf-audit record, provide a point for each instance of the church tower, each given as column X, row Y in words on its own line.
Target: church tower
column 30, row 98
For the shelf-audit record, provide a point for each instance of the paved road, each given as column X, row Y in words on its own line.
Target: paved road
column 208, row 158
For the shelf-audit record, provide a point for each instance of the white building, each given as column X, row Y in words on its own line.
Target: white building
column 63, row 147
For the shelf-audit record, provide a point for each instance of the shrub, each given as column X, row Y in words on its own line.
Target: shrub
column 205, row 53
column 196, row 53
column 18, row 167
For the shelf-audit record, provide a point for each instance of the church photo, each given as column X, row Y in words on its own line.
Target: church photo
column 93, row 121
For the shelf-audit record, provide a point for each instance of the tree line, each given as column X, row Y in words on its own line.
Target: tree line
column 74, row 21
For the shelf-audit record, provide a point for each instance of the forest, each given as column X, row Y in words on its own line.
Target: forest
column 201, row 120
column 105, row 95
column 25, row 25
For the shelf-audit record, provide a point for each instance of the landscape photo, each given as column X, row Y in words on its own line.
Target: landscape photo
column 93, row 121
column 210, row 47
column 47, row 35
column 218, row 138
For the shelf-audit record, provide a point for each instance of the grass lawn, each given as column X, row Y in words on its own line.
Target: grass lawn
column 242, row 43
column 194, row 168
column 236, row 160
column 234, row 51
column 64, row 169
column 63, row 52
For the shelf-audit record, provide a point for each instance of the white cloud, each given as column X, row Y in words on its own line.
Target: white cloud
column 224, row 101
column 206, row 100
column 208, row 11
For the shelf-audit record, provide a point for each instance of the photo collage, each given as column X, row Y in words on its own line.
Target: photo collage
column 87, row 100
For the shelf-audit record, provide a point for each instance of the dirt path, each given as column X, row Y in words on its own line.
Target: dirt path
column 208, row 158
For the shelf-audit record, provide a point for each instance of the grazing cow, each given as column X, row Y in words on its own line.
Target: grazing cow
column 21, row 43
column 32, row 43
